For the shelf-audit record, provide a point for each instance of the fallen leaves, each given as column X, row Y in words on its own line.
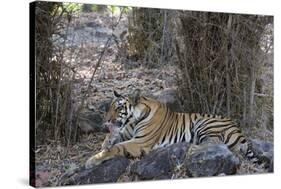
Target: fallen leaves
column 53, row 160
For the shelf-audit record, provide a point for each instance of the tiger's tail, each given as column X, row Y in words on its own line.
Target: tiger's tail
column 249, row 153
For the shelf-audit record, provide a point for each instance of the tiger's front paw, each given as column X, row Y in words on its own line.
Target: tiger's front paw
column 94, row 160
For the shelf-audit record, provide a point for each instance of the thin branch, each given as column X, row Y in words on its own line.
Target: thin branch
column 95, row 66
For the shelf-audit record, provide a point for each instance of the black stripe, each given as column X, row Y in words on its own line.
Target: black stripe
column 127, row 134
column 183, row 127
column 176, row 128
column 162, row 124
column 224, row 128
column 235, row 142
column 144, row 98
column 211, row 120
column 163, row 138
column 127, row 120
column 243, row 141
column 123, row 137
column 191, row 128
column 140, row 127
column 142, row 136
column 229, row 135
column 191, row 136
column 167, row 134
column 170, row 129
column 197, row 127
column 202, row 124
column 130, row 134
column 181, row 130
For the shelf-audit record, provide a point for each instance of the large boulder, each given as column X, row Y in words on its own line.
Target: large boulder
column 204, row 160
column 104, row 105
column 211, row 160
column 91, row 118
column 159, row 163
column 107, row 172
column 264, row 152
column 90, row 121
column 163, row 163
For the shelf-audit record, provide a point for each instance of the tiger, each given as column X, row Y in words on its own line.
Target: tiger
column 146, row 124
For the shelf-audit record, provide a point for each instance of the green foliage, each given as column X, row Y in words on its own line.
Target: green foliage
column 72, row 7
column 113, row 8
column 127, row 9
column 99, row 8
column 95, row 8
column 109, row 8
column 117, row 9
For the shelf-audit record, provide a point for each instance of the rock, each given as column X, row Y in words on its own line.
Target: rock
column 110, row 76
column 162, row 163
column 104, row 105
column 107, row 172
column 205, row 160
column 159, row 163
column 264, row 151
column 140, row 75
column 92, row 24
column 90, row 121
column 211, row 160
column 170, row 97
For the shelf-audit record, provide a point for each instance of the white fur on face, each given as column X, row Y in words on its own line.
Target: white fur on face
column 120, row 102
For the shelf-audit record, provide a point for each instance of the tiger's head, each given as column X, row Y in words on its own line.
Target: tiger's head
column 121, row 109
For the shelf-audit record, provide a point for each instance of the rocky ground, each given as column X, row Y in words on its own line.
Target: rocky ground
column 60, row 165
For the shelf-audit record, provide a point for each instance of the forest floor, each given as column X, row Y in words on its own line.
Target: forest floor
column 87, row 36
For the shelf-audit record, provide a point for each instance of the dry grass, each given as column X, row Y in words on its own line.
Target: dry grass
column 53, row 159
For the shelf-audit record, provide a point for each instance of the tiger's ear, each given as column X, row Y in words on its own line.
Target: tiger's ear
column 117, row 95
column 135, row 97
